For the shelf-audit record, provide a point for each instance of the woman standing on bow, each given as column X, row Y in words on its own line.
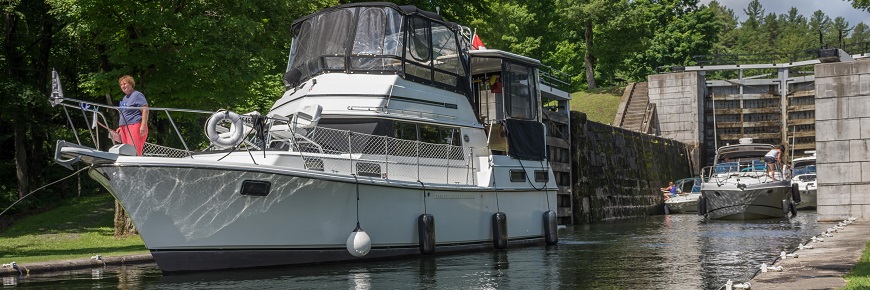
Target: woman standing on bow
column 133, row 121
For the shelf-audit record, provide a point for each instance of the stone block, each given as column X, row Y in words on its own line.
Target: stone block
column 822, row 85
column 864, row 127
column 853, row 85
column 672, row 90
column 862, row 67
column 838, row 130
column 666, row 105
column 832, row 213
column 824, row 70
column 858, row 107
column 859, row 150
column 828, row 109
column 689, row 125
column 865, row 172
column 845, row 69
column 830, row 152
column 834, row 195
column 864, row 84
column 847, row 129
column 861, row 194
column 825, row 130
column 841, row 86
column 838, row 173
column 669, row 118
column 691, row 119
column 856, row 210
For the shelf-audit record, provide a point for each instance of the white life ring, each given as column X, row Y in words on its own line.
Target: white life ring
column 230, row 139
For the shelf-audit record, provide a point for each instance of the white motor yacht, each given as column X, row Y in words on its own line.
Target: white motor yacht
column 393, row 138
column 739, row 187
column 688, row 193
column 804, row 180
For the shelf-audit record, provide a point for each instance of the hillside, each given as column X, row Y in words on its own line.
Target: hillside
column 600, row 105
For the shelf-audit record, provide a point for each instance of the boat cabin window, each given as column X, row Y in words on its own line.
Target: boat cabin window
column 397, row 129
column 376, row 39
column 504, row 90
column 805, row 169
column 433, row 138
column 521, row 100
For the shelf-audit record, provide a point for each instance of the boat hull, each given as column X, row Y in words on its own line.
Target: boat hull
column 808, row 198
column 193, row 217
column 755, row 201
column 683, row 204
column 176, row 261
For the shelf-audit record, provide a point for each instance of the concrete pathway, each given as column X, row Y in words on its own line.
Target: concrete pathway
column 66, row 265
column 823, row 266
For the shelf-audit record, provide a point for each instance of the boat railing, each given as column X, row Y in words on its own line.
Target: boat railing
column 326, row 149
column 94, row 118
column 343, row 151
column 322, row 148
column 722, row 172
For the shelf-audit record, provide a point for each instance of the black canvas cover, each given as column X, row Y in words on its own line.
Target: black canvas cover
column 525, row 139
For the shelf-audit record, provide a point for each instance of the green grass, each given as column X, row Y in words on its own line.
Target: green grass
column 78, row 229
column 860, row 276
column 600, row 104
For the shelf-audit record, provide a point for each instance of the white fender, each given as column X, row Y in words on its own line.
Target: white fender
column 358, row 243
column 234, row 137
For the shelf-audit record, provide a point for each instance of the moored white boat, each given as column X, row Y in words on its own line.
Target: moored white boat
column 392, row 144
column 804, row 180
column 738, row 185
column 688, row 193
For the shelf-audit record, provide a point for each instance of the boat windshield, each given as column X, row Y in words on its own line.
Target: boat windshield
column 754, row 165
column 376, row 40
column 726, row 167
column 808, row 169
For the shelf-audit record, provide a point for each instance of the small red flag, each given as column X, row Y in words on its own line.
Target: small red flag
column 476, row 43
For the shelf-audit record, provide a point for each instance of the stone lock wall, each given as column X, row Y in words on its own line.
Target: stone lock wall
column 618, row 173
column 843, row 140
column 679, row 99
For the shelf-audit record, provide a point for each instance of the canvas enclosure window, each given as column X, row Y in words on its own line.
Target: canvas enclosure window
column 377, row 44
column 520, row 87
column 319, row 44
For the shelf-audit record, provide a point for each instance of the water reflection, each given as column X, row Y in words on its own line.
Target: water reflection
column 661, row 252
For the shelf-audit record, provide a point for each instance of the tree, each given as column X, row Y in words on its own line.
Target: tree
column 861, row 33
column 587, row 15
column 838, row 31
column 193, row 54
column 861, row 4
column 27, row 41
column 513, row 29
column 819, row 27
column 754, row 15
column 727, row 21
column 678, row 29
column 796, row 35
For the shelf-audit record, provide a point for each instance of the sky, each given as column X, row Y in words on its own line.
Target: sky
column 832, row 8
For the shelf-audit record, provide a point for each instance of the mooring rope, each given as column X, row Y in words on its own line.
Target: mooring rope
column 38, row 189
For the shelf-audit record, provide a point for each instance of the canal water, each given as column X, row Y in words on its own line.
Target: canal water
column 659, row 252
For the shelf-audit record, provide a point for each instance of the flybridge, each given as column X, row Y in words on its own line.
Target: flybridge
column 379, row 38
